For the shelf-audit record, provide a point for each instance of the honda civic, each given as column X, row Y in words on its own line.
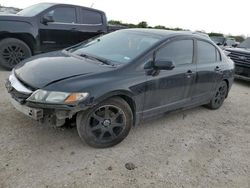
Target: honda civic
column 112, row 82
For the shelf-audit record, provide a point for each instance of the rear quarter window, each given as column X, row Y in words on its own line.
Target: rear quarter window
column 206, row 53
column 91, row 17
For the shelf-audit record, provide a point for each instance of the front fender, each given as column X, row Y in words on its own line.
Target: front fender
column 15, row 27
column 21, row 30
column 111, row 94
column 128, row 96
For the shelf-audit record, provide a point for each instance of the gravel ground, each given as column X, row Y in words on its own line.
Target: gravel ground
column 193, row 148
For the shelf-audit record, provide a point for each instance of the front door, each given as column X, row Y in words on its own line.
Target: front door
column 60, row 33
column 170, row 89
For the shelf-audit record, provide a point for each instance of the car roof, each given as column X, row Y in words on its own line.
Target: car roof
column 168, row 33
column 65, row 4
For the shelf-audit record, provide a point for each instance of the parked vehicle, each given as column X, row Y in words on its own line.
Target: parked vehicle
column 204, row 34
column 47, row 27
column 117, row 80
column 241, row 58
column 224, row 42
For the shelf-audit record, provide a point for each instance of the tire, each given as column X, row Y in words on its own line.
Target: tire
column 106, row 124
column 12, row 52
column 219, row 96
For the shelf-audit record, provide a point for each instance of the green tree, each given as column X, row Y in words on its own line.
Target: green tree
column 178, row 29
column 115, row 22
column 160, row 27
column 142, row 24
column 215, row 34
column 131, row 25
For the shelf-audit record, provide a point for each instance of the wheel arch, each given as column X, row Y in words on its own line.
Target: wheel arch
column 125, row 95
column 227, row 82
column 25, row 37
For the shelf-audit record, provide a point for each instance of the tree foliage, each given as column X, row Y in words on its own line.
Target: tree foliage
column 215, row 34
column 142, row 24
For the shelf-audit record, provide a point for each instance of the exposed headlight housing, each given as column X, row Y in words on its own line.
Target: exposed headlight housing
column 56, row 97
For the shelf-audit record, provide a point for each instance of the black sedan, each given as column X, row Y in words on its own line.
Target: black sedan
column 110, row 83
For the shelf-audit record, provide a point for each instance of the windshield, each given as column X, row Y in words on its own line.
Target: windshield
column 218, row 40
column 245, row 44
column 119, row 47
column 34, row 9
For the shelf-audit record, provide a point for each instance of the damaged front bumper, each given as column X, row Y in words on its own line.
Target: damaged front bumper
column 54, row 114
column 34, row 113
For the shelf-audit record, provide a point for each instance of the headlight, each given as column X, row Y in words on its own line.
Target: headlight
column 55, row 97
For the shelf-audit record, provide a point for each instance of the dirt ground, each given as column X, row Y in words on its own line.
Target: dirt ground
column 194, row 148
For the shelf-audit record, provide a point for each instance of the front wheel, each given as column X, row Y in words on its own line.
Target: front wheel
column 106, row 124
column 219, row 96
column 12, row 52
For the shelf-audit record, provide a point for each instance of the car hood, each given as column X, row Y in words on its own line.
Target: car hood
column 43, row 70
column 240, row 50
column 13, row 17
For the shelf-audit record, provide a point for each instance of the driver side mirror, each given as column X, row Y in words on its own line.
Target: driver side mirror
column 164, row 64
column 46, row 19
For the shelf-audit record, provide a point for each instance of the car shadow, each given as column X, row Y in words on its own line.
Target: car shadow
column 47, row 137
column 178, row 114
column 151, row 123
column 3, row 69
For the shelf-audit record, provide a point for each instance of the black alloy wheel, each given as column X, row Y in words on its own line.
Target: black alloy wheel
column 219, row 97
column 107, row 124
column 12, row 52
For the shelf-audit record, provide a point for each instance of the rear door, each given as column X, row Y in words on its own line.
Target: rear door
column 62, row 31
column 170, row 89
column 93, row 23
column 209, row 70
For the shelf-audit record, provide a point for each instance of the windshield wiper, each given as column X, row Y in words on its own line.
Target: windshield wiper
column 104, row 61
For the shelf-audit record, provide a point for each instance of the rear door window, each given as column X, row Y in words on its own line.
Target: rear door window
column 91, row 17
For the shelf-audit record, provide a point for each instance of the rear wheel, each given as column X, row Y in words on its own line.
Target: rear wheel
column 106, row 124
column 219, row 97
column 12, row 52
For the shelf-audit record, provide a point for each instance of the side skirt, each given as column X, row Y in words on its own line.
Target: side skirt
column 157, row 113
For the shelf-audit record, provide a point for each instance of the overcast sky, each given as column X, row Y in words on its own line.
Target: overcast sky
column 228, row 17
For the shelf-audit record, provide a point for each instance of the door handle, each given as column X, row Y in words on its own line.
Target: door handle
column 73, row 29
column 189, row 73
column 217, row 69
